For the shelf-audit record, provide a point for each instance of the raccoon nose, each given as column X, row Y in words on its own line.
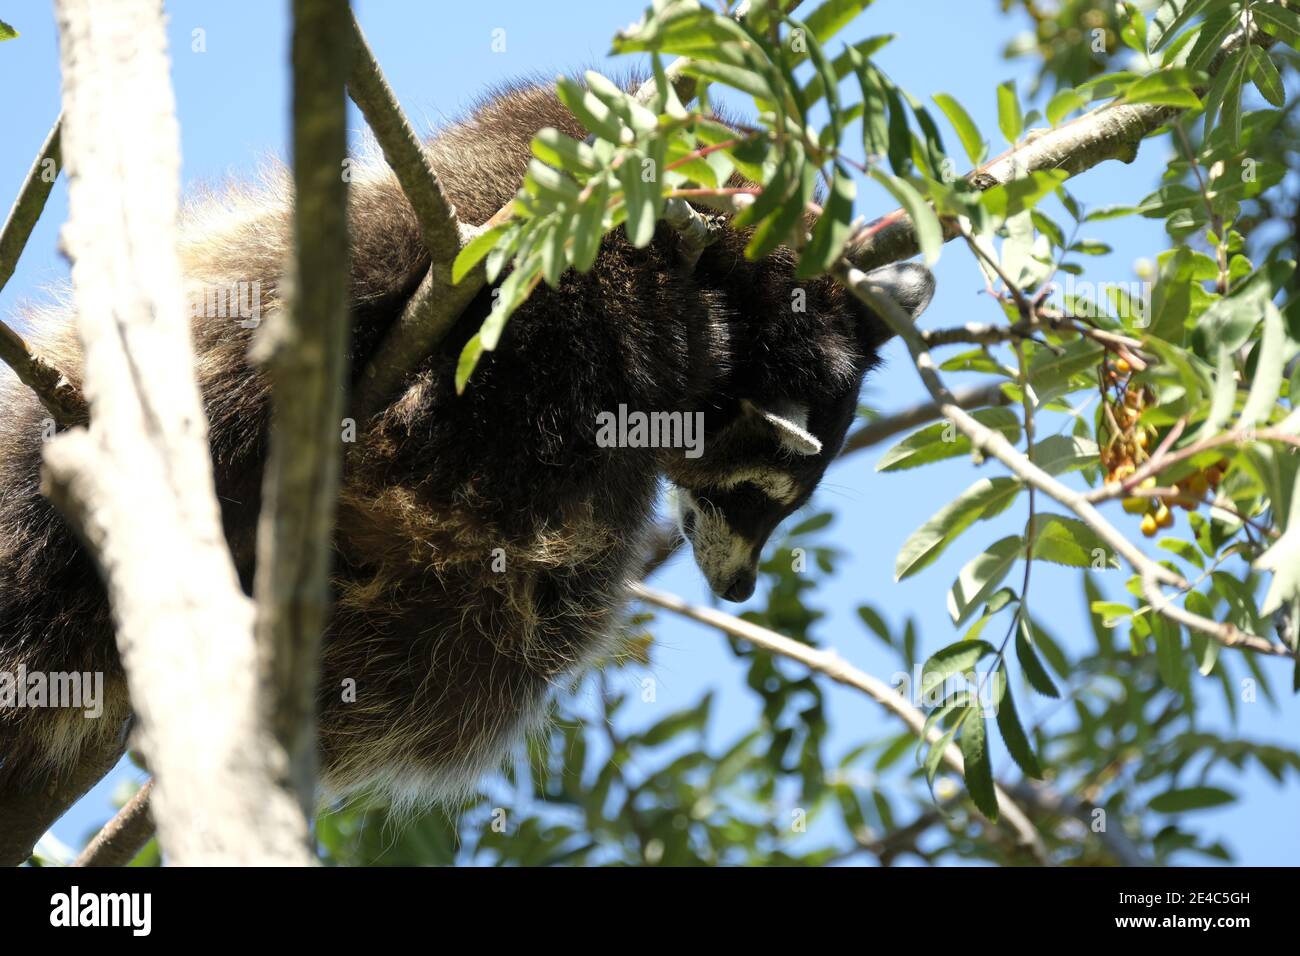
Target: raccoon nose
column 740, row 589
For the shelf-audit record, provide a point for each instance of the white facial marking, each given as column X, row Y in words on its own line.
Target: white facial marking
column 720, row 553
column 777, row 485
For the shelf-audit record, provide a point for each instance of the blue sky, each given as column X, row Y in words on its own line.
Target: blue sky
column 233, row 106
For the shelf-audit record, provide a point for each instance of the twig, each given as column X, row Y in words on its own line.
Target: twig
column 30, row 203
column 837, row 669
column 437, row 304
column 981, row 396
column 1167, row 459
column 123, row 837
column 402, row 149
column 56, row 391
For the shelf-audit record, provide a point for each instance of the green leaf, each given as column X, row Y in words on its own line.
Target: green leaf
column 967, row 131
column 640, row 200
column 1279, row 21
column 941, row 440
column 935, row 756
column 1010, row 119
column 1057, row 454
column 563, row 152
column 981, row 576
column 979, row 767
column 1283, row 559
column 1170, row 660
column 1267, row 385
column 958, row 658
column 928, row 230
column 1013, row 732
column 588, row 228
column 7, row 32
column 624, row 106
column 832, row 228
column 1192, row 798
column 1214, row 31
column 1184, row 549
column 776, row 228
column 1069, row 541
column 594, row 115
column 844, row 64
column 1062, row 104
column 1172, row 16
column 1049, row 370
column 984, row 499
column 833, row 16
column 1229, row 321
column 469, row 357
column 1009, row 199
column 1167, row 87
column 738, row 77
column 550, row 184
column 472, row 253
column 1266, row 77
column 1134, row 31
column 1035, row 673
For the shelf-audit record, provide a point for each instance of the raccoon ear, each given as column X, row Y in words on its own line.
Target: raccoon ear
column 790, row 419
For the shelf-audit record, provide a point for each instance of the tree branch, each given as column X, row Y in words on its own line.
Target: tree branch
column 138, row 484
column 305, row 347
column 837, row 669
column 990, row 442
column 1112, row 131
column 120, row 839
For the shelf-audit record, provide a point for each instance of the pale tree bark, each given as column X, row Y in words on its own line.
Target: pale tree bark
column 138, row 483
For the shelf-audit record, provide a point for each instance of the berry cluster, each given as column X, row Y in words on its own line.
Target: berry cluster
column 1128, row 447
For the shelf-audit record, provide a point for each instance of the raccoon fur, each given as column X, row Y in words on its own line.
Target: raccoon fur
column 483, row 540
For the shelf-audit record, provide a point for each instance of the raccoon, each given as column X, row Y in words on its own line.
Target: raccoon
column 484, row 540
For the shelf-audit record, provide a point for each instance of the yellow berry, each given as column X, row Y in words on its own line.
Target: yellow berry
column 1135, row 506
column 1148, row 525
column 1164, row 517
column 1122, row 366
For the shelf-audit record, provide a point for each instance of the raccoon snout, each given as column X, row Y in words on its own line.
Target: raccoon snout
column 741, row 588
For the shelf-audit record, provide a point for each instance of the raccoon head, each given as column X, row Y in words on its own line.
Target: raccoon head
column 780, row 426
